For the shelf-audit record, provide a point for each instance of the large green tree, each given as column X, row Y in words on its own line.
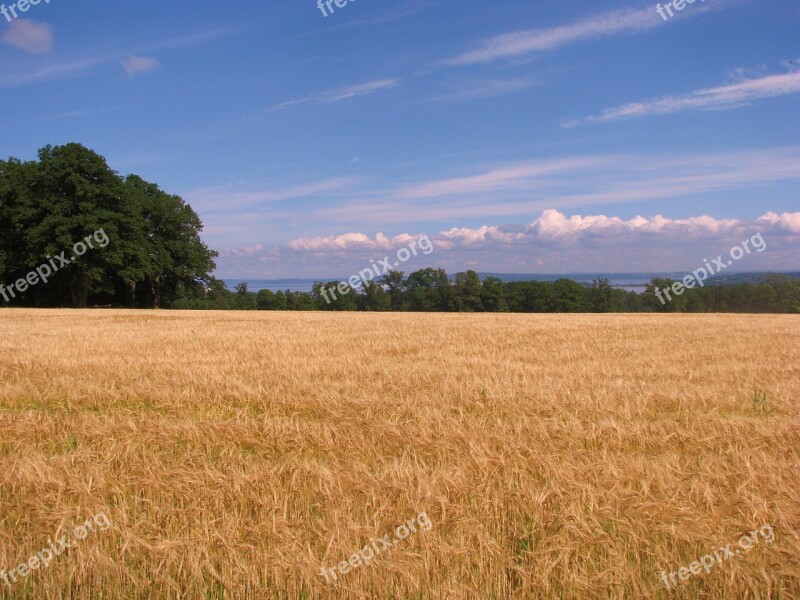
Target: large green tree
column 150, row 250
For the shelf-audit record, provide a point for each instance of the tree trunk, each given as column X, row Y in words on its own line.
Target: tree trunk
column 155, row 288
column 79, row 290
column 131, row 293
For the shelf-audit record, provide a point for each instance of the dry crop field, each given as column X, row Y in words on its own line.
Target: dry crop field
column 250, row 455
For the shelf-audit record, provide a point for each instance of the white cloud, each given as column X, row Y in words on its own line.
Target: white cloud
column 536, row 40
column 245, row 251
column 76, row 67
column 134, row 65
column 514, row 190
column 31, row 37
column 348, row 241
column 231, row 196
column 339, row 94
column 512, row 177
column 491, row 88
column 723, row 97
column 553, row 224
column 471, row 237
column 554, row 242
column 788, row 222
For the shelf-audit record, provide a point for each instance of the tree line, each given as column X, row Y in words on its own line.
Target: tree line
column 433, row 290
column 154, row 256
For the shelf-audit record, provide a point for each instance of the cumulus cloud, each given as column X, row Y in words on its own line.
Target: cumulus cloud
column 474, row 237
column 554, row 242
column 348, row 241
column 29, row 36
column 246, row 250
column 135, row 65
column 553, row 224
column 787, row 222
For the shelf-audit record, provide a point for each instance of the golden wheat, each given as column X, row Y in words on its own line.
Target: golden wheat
column 236, row 455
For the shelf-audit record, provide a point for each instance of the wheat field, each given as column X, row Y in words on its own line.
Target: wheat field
column 237, row 455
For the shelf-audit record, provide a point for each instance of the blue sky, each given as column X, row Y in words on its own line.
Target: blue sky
column 527, row 137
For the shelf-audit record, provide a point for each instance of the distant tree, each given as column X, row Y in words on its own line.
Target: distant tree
column 374, row 298
column 765, row 298
column 787, row 292
column 468, row 292
column 300, row 301
column 336, row 296
column 395, row 286
column 493, row 295
column 570, row 296
column 659, row 297
column 245, row 300
column 538, row 297
column 420, row 291
column 265, row 300
column 280, row 301
column 600, row 295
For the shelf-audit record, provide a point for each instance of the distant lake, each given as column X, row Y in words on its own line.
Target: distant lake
column 275, row 285
column 630, row 282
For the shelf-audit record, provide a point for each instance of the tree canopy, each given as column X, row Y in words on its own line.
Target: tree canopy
column 154, row 252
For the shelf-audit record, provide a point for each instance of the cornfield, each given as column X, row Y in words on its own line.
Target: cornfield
column 239, row 455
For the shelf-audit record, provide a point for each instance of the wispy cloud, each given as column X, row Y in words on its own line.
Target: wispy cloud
column 76, row 67
column 29, row 36
column 229, row 197
column 516, row 177
column 617, row 22
column 569, row 182
column 56, row 71
column 136, row 65
column 537, row 40
column 256, row 213
column 339, row 94
column 491, row 88
column 394, row 14
column 189, row 40
column 717, row 98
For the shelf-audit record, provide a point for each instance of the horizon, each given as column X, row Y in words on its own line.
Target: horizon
column 622, row 281
column 497, row 274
